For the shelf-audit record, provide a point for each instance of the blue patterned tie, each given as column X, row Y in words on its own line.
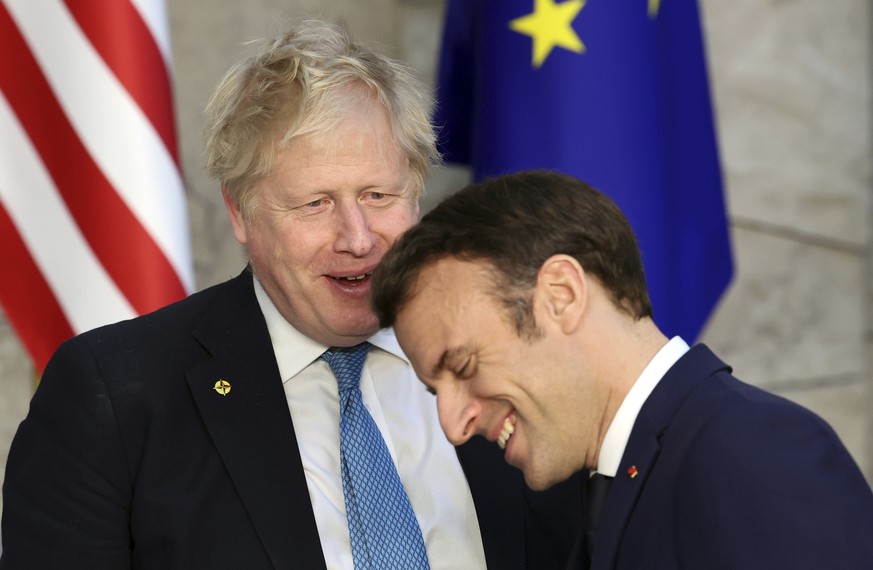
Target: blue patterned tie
column 382, row 526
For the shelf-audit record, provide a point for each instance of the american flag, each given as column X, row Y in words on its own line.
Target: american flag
column 93, row 222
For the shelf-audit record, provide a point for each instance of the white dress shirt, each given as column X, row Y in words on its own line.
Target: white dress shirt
column 618, row 433
column 405, row 414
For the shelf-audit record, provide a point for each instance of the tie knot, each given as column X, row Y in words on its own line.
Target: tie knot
column 346, row 364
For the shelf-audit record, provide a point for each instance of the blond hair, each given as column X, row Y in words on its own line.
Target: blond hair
column 298, row 84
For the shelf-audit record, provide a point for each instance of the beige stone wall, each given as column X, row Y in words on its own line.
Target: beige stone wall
column 792, row 89
column 792, row 86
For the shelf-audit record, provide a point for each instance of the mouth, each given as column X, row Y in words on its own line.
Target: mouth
column 352, row 278
column 348, row 287
column 506, row 430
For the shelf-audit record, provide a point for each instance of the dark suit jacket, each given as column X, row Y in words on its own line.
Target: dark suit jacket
column 130, row 458
column 731, row 477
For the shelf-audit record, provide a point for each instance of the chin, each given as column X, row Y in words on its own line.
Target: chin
column 356, row 323
column 363, row 329
column 356, row 333
column 539, row 481
column 536, row 486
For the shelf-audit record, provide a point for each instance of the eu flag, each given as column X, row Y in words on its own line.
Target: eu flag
column 614, row 92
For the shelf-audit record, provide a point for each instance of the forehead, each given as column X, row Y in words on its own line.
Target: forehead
column 358, row 151
column 361, row 127
column 451, row 280
column 448, row 303
column 326, row 109
column 447, row 295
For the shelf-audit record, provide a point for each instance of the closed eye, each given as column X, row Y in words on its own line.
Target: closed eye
column 468, row 369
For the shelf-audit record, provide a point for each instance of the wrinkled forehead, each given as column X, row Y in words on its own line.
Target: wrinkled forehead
column 447, row 287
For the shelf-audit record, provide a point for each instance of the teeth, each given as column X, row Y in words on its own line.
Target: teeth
column 505, row 433
column 354, row 278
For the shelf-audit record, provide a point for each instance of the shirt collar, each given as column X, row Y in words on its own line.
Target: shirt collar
column 295, row 351
column 618, row 433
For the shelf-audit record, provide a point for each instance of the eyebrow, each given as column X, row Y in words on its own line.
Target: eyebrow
column 440, row 365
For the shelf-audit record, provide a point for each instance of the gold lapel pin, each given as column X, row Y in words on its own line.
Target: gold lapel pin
column 222, row 387
column 632, row 471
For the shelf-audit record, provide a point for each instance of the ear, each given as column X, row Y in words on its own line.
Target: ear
column 236, row 217
column 562, row 287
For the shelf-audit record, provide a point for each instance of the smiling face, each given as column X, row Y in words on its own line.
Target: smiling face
column 534, row 395
column 323, row 218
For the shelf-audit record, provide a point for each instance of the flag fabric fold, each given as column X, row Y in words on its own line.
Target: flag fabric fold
column 93, row 218
column 614, row 92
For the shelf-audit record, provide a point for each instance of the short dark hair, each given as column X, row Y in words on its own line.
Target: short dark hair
column 515, row 223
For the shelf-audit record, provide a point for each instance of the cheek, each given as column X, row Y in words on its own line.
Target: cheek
column 389, row 225
column 283, row 244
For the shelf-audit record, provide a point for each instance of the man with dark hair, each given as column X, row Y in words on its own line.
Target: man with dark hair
column 521, row 303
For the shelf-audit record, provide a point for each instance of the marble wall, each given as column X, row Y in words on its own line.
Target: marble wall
column 792, row 86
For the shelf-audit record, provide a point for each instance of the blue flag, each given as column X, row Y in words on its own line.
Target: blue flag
column 614, row 92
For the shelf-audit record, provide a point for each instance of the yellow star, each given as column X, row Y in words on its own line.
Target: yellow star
column 654, row 6
column 550, row 25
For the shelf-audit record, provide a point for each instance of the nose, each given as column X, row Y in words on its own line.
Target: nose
column 353, row 233
column 459, row 414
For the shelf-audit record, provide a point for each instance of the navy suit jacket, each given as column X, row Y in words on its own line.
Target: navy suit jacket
column 731, row 477
column 129, row 457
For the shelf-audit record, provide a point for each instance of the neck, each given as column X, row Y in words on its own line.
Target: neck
column 623, row 353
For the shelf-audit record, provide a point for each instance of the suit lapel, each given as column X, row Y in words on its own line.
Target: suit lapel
column 644, row 446
column 251, row 427
column 623, row 495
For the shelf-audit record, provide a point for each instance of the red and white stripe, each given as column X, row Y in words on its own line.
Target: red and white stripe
column 93, row 222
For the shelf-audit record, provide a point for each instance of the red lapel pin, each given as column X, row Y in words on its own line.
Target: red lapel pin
column 632, row 471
